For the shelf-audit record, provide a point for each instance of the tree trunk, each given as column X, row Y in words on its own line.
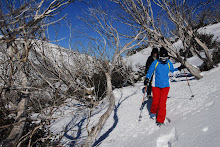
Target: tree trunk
column 18, row 129
column 209, row 61
column 193, row 70
column 96, row 129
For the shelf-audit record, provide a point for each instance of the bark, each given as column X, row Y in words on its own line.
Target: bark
column 193, row 70
column 18, row 129
column 96, row 129
column 179, row 19
column 209, row 61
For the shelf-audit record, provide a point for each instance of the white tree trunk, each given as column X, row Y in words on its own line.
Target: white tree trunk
column 193, row 70
column 209, row 61
column 96, row 129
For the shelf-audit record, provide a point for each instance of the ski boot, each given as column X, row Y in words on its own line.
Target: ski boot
column 153, row 116
column 159, row 124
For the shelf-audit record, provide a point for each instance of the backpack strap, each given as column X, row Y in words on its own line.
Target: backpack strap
column 169, row 65
column 158, row 63
column 155, row 69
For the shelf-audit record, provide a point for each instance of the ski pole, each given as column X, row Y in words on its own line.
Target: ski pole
column 188, row 85
column 141, row 108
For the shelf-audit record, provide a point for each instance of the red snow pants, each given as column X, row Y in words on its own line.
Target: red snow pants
column 159, row 102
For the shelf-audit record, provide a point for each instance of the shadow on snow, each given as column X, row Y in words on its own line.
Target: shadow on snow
column 115, row 117
column 74, row 127
column 106, row 134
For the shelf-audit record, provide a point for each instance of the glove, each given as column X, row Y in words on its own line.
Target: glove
column 146, row 81
column 181, row 67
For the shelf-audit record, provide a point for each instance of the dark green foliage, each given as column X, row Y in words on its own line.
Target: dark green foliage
column 206, row 39
column 211, row 43
column 120, row 78
column 134, row 51
column 187, row 53
column 131, row 52
column 216, row 56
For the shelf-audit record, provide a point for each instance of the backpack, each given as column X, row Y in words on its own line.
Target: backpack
column 156, row 67
column 158, row 63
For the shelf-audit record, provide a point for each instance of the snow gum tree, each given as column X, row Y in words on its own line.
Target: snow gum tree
column 140, row 14
column 182, row 15
column 28, row 75
column 108, row 48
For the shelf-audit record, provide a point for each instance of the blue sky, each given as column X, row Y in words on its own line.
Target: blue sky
column 74, row 11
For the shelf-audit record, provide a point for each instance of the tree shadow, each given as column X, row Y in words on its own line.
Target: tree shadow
column 77, row 126
column 115, row 117
column 78, row 134
column 106, row 134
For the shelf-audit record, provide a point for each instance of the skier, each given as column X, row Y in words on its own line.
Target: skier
column 151, row 58
column 160, row 86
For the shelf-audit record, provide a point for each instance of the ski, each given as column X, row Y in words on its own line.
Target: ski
column 142, row 104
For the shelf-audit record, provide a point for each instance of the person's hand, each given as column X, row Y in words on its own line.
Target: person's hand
column 146, row 81
column 181, row 67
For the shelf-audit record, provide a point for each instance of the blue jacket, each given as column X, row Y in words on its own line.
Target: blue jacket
column 161, row 73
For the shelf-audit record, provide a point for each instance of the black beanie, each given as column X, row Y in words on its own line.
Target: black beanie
column 163, row 52
column 155, row 51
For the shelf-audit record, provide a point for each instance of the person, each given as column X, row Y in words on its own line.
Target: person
column 154, row 55
column 160, row 86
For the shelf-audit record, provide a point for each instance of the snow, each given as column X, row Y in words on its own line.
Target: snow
column 178, row 45
column 165, row 140
column 193, row 122
column 138, row 59
column 211, row 29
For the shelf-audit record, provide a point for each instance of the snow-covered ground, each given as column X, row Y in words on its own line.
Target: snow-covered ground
column 193, row 122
